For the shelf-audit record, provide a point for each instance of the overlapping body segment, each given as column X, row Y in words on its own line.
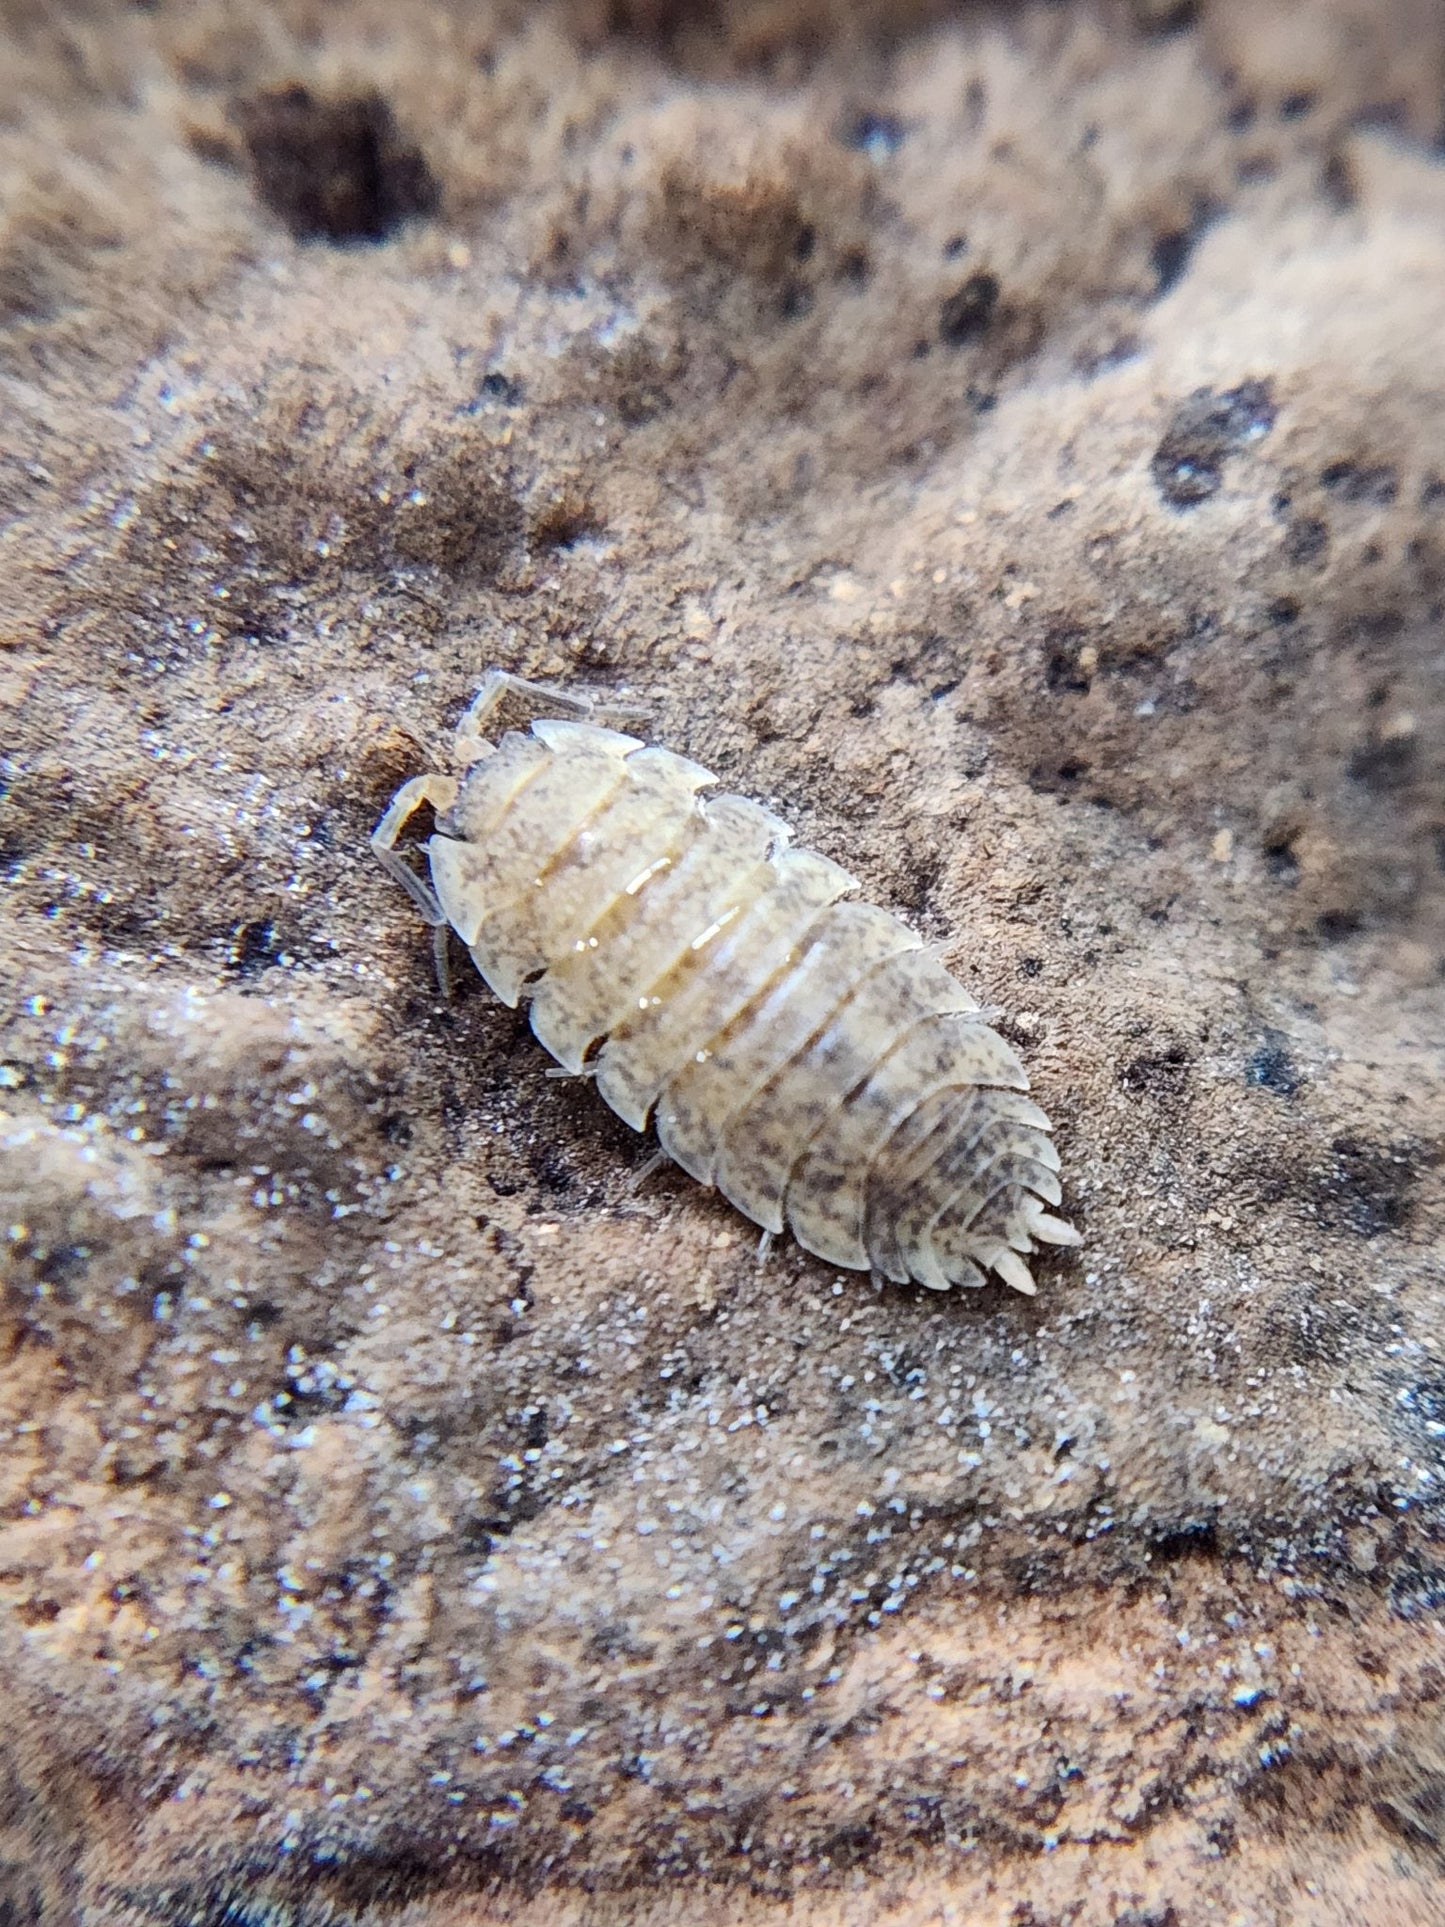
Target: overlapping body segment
column 802, row 1053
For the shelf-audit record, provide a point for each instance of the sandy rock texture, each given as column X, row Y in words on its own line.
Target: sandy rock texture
column 1011, row 443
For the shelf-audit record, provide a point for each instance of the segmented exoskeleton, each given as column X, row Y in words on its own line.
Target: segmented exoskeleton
column 804, row 1054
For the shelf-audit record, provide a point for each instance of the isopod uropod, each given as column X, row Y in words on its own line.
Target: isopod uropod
column 804, row 1054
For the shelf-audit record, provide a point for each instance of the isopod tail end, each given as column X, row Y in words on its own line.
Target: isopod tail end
column 1012, row 1269
column 1054, row 1231
column 1032, row 1218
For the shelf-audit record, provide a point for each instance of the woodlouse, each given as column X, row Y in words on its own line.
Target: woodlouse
column 804, row 1054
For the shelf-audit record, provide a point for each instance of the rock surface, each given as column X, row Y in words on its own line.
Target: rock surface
column 1010, row 444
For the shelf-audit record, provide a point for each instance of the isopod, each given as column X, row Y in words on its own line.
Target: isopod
column 804, row 1054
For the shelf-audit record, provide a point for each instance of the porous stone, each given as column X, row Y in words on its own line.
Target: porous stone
column 403, row 1517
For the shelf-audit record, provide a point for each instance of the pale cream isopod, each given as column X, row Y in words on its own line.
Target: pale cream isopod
column 804, row 1054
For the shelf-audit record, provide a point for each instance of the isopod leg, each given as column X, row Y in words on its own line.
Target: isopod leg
column 647, row 1169
column 441, row 938
column 539, row 697
column 440, row 792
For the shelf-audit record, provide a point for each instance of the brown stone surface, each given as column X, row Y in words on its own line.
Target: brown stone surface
column 1010, row 443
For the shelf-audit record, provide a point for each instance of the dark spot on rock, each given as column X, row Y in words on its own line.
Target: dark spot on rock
column 967, row 312
column 1196, row 1537
column 565, row 521
column 1376, row 484
column 1256, row 167
column 1159, row 1074
column 245, row 622
column 1188, row 464
column 333, row 169
column 1374, row 625
column 551, row 1169
column 1282, row 611
column 1335, row 925
column 921, row 870
column 955, row 247
column 1270, row 1067
column 389, row 1878
column 1171, row 253
column 254, row 947
column 925, row 1820
column 876, row 135
column 1432, row 492
column 1306, row 540
column 1385, row 764
column 661, row 23
column 1338, row 183
column 1365, row 1189
column 498, row 388
column 1030, row 966
column 852, row 1846
column 1281, row 861
column 1062, row 672
column 854, row 268
column 1297, row 104
column 1159, row 17
column 1169, row 257
column 1057, row 778
column 1382, row 117
column 60, row 1266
